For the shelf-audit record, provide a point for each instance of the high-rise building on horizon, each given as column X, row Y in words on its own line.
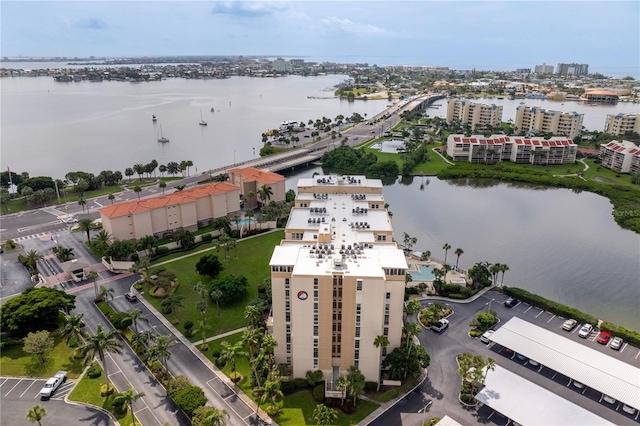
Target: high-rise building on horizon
column 337, row 279
column 543, row 69
column 572, row 69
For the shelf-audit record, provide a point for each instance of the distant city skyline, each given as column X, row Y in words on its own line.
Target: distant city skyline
column 484, row 35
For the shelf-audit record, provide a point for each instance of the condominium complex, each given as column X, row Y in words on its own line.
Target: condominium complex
column 543, row 69
column 541, row 120
column 623, row 157
column 251, row 179
column 280, row 65
column 619, row 124
column 471, row 113
column 572, row 69
column 481, row 149
column 337, row 280
column 182, row 210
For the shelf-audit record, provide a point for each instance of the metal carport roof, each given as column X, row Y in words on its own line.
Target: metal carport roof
column 601, row 372
column 526, row 403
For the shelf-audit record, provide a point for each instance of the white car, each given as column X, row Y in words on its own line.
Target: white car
column 569, row 324
column 53, row 384
column 486, row 337
column 70, row 220
column 616, row 343
column 585, row 331
column 440, row 326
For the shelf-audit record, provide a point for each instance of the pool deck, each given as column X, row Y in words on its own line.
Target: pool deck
column 452, row 277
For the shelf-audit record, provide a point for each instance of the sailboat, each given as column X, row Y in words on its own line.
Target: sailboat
column 153, row 118
column 202, row 122
column 162, row 138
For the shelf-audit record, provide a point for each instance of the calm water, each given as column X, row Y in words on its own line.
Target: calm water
column 561, row 245
column 594, row 115
column 51, row 128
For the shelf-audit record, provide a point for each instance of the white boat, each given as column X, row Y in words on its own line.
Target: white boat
column 202, row 122
column 162, row 138
column 153, row 118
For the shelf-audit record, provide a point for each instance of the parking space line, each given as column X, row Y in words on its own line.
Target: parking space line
column 638, row 354
column 224, row 399
column 25, row 391
column 3, row 382
column 13, row 387
column 528, row 309
column 540, row 313
column 551, row 319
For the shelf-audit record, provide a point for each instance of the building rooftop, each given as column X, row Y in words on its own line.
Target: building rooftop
column 254, row 174
column 186, row 196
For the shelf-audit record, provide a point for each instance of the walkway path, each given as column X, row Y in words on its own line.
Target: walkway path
column 220, row 336
column 437, row 151
column 586, row 167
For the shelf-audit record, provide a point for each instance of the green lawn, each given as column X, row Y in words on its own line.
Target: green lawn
column 88, row 390
column 15, row 362
column 298, row 410
column 251, row 259
column 602, row 174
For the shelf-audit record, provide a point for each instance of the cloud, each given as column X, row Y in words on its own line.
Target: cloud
column 247, row 8
column 92, row 23
column 347, row 26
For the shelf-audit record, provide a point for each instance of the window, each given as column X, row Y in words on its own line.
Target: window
column 358, row 331
column 288, row 348
column 286, row 283
column 385, row 331
column 386, row 320
column 356, row 354
column 382, row 238
column 359, row 285
column 315, row 330
column 357, row 344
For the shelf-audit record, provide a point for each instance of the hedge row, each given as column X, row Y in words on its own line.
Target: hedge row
column 549, row 305
column 630, row 336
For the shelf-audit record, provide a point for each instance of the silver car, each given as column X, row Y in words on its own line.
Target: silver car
column 585, row 331
column 616, row 343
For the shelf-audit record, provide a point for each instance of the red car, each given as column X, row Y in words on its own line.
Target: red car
column 603, row 337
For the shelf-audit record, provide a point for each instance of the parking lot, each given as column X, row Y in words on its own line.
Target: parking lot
column 21, row 394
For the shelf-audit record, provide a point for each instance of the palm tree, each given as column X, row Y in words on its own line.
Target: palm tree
column 495, row 270
column 162, row 168
column 128, row 397
column 381, row 341
column 425, row 255
column 324, row 415
column 458, row 253
column 128, row 172
column 102, row 240
column 139, row 169
column 86, row 225
column 134, row 315
column 216, row 295
column 271, row 389
column 413, row 307
column 171, row 302
column 490, row 364
column 105, row 293
column 72, row 328
column 265, row 193
column 410, row 330
column 36, row 413
column 229, row 353
column 160, row 348
column 253, row 315
column 162, row 185
column 99, row 343
column 446, row 247
column 31, row 259
column 93, row 275
column 82, row 202
column 111, row 197
column 249, row 215
column 209, row 416
column 503, row 268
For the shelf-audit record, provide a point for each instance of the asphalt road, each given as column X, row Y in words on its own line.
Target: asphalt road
column 442, row 385
column 19, row 395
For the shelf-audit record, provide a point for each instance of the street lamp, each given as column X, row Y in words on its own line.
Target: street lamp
column 424, row 410
column 489, row 304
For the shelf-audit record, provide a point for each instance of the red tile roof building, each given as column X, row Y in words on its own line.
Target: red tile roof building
column 179, row 210
column 251, row 179
column 623, row 157
column 519, row 149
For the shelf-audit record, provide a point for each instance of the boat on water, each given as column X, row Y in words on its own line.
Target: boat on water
column 202, row 122
column 161, row 138
column 211, row 109
column 521, row 103
column 154, row 118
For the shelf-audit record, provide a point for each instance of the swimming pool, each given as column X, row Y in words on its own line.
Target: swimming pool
column 245, row 221
column 424, row 273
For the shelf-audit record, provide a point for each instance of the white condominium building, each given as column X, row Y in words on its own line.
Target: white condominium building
column 337, row 280
column 619, row 124
column 471, row 113
column 541, row 120
column 481, row 149
column 623, row 157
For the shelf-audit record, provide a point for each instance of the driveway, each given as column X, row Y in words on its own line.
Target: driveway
column 21, row 394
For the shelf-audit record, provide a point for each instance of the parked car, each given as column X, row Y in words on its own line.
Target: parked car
column 569, row 324
column 131, row 297
column 53, row 384
column 603, row 337
column 511, row 302
column 578, row 385
column 616, row 343
column 486, row 337
column 628, row 409
column 585, row 331
column 440, row 326
column 608, row 399
column 71, row 220
column 534, row 363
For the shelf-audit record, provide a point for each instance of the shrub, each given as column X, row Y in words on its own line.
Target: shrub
column 235, row 376
column 188, row 325
column 457, row 296
column 161, row 251
column 207, row 238
column 314, row 377
column 475, row 333
column 219, row 362
column 176, row 384
column 630, row 336
column 287, row 387
column 204, row 347
column 301, row 383
column 370, row 386
column 120, row 320
column 189, row 399
column 94, row 371
column 318, row 393
column 549, row 305
column 104, row 391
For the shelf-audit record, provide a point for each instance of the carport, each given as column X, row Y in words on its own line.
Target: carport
column 526, row 403
column 601, row 372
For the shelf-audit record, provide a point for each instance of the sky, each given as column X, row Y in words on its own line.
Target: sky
column 485, row 35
